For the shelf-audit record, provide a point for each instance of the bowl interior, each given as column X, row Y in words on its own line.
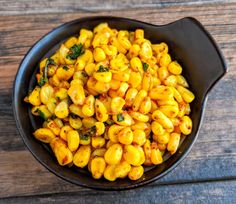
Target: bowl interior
column 183, row 39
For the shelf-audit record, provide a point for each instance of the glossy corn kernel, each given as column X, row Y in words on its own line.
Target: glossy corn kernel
column 88, row 107
column 187, row 95
column 44, row 135
column 113, row 154
column 62, row 110
column 157, row 128
column 98, row 142
column 64, row 132
column 173, row 142
column 34, row 97
column 186, row 125
column 139, row 137
column 136, row 172
column 76, row 93
column 117, row 104
column 125, row 136
column 73, row 140
column 81, row 157
column 101, row 111
column 98, row 166
column 131, row 155
column 99, row 55
column 109, row 173
column 161, row 93
column 162, row 119
column 175, row 68
column 139, row 99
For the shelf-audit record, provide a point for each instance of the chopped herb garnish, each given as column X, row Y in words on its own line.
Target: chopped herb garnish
column 41, row 81
column 73, row 116
column 58, row 98
column 93, row 130
column 65, row 68
column 109, row 122
column 75, row 51
column 48, row 62
column 84, row 136
column 41, row 114
column 97, row 96
column 120, row 117
column 145, row 66
column 103, row 69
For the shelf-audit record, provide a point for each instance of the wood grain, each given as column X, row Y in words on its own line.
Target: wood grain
column 60, row 6
column 213, row 192
column 212, row 158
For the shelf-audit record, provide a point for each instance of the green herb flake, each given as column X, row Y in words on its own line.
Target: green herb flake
column 103, row 69
column 48, row 63
column 65, row 68
column 84, row 136
column 41, row 81
column 93, row 130
column 41, row 114
column 145, row 66
column 75, row 51
column 120, row 117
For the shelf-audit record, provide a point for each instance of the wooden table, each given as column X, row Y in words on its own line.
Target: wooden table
column 207, row 175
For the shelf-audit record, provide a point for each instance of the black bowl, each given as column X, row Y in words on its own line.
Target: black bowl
column 189, row 43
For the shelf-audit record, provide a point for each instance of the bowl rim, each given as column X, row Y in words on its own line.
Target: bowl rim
column 188, row 148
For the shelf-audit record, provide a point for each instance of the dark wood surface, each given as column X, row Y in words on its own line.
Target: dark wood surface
column 207, row 175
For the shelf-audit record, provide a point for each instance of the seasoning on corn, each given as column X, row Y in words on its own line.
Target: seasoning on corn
column 111, row 101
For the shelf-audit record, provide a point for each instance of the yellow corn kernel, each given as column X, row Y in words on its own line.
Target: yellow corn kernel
column 64, row 132
column 130, row 96
column 89, row 122
column 70, row 42
column 75, row 122
column 109, row 173
column 147, row 149
column 114, row 84
column 63, row 52
column 162, row 139
column 117, row 104
column 156, row 156
column 135, row 79
column 62, row 153
column 177, row 95
column 62, row 110
column 136, row 172
column 76, row 93
column 134, row 50
column 61, row 94
column 165, row 60
column 139, row 137
column 77, row 110
column 162, row 119
column 145, row 106
column 154, row 106
column 171, row 81
column 160, row 48
column 163, row 73
column 157, row 128
column 103, row 76
column 168, row 102
column 182, row 81
column 80, row 64
column 41, row 111
column 146, row 127
column 100, row 128
column 44, row 135
column 98, row 166
column 122, row 76
column 34, row 97
column 139, row 99
column 131, row 155
column 81, row 157
column 123, row 88
column 113, row 132
column 136, row 64
column 65, row 72
column 175, row 68
column 98, row 142
column 100, row 152
column 113, row 154
column 101, row 111
column 139, row 34
column 125, row 136
column 142, row 155
column 73, row 140
column 187, row 95
column 123, row 119
column 119, row 63
column 54, row 81
column 161, row 93
column 90, row 69
column 173, row 143
column 147, row 82
column 64, row 84
column 101, row 87
column 169, row 111
column 122, row 169
column 99, row 55
column 186, row 125
column 156, row 81
column 81, row 75
column 109, row 50
column 139, row 116
column 88, row 107
column 46, row 93
column 146, row 50
column 54, row 127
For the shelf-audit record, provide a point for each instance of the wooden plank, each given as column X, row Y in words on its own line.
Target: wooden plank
column 211, row 192
column 214, row 154
column 219, row 19
column 15, row 7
